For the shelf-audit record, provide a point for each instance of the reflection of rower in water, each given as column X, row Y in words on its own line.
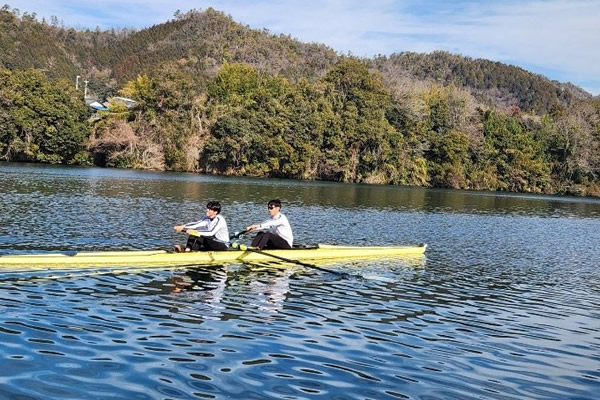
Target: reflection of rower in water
column 205, row 285
column 271, row 289
column 265, row 290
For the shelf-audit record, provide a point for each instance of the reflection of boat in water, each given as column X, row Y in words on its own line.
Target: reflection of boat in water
column 150, row 258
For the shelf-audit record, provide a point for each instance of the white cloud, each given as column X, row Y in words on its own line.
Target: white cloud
column 557, row 38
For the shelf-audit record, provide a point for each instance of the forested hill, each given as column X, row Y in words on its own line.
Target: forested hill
column 108, row 59
column 215, row 96
column 492, row 82
column 27, row 43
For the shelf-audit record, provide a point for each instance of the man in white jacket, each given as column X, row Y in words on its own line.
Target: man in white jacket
column 277, row 232
column 210, row 233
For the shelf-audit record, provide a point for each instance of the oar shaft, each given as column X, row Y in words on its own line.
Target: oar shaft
column 236, row 235
column 289, row 260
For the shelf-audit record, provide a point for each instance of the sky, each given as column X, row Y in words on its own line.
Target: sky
column 554, row 38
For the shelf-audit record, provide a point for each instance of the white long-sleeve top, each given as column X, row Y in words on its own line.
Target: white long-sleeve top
column 216, row 227
column 279, row 225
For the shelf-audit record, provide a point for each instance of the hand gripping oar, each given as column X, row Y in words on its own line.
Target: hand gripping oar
column 289, row 260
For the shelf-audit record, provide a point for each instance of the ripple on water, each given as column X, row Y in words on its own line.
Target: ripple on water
column 212, row 333
column 504, row 306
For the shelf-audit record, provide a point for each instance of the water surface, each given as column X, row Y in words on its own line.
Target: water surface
column 505, row 305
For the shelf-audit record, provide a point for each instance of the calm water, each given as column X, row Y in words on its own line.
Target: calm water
column 506, row 304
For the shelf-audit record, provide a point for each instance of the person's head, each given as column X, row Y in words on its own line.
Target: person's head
column 274, row 206
column 213, row 208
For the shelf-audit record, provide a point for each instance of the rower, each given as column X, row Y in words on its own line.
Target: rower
column 277, row 232
column 210, row 233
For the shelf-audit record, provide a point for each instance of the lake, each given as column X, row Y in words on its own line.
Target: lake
column 505, row 304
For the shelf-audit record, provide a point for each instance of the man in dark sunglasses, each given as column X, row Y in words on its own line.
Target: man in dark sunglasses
column 276, row 232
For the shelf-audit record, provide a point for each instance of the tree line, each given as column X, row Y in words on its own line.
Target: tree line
column 217, row 97
column 347, row 126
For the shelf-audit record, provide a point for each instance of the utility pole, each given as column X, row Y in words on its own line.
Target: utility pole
column 85, row 90
column 77, row 82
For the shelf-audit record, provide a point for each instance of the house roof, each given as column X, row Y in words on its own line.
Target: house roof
column 97, row 106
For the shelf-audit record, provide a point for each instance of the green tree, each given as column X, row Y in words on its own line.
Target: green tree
column 42, row 120
column 450, row 160
column 359, row 141
column 518, row 157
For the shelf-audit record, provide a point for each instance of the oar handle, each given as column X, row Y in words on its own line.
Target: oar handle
column 234, row 235
column 237, row 234
column 193, row 232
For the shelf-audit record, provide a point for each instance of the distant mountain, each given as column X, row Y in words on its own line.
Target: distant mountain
column 491, row 82
column 27, row 43
column 108, row 59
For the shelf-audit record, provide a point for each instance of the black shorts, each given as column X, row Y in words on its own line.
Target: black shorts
column 205, row 243
column 268, row 240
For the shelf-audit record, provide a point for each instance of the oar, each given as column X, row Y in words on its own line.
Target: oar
column 236, row 235
column 288, row 260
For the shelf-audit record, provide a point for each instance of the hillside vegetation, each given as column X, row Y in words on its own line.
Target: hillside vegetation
column 218, row 97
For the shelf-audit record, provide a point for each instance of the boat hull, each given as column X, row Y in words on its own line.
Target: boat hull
column 147, row 258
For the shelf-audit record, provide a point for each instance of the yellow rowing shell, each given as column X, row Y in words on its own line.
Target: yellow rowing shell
column 148, row 258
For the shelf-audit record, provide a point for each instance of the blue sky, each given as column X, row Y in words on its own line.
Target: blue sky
column 555, row 38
